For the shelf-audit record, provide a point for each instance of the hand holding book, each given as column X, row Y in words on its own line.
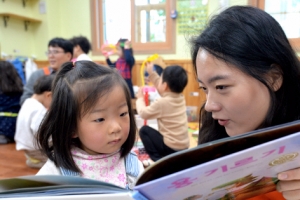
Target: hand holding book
column 290, row 183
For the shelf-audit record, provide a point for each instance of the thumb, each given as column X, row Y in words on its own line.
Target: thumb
column 293, row 174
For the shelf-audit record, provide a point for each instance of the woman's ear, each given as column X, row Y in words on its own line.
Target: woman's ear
column 275, row 77
column 75, row 135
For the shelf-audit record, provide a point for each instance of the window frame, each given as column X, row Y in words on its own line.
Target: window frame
column 295, row 42
column 139, row 48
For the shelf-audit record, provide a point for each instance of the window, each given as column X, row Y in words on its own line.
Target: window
column 147, row 23
column 287, row 13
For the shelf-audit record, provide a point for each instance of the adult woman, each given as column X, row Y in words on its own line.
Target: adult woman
column 250, row 74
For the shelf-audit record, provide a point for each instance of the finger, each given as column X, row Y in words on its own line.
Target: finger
column 283, row 186
column 293, row 174
column 291, row 195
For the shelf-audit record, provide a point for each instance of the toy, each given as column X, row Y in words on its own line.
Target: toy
column 147, row 89
column 108, row 49
column 149, row 59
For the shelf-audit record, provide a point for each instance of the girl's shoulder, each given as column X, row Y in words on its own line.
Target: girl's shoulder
column 133, row 165
column 49, row 168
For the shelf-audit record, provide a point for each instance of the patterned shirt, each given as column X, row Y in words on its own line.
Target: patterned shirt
column 123, row 68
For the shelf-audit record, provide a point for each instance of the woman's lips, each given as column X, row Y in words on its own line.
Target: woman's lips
column 223, row 122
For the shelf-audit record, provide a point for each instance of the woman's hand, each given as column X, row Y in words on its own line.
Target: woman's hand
column 289, row 184
column 140, row 93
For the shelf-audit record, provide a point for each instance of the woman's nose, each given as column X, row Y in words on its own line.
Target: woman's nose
column 211, row 104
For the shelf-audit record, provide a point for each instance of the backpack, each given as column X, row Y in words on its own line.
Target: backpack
column 46, row 71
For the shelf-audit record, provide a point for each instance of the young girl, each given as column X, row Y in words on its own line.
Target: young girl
column 91, row 125
column 124, row 63
column 11, row 88
column 250, row 74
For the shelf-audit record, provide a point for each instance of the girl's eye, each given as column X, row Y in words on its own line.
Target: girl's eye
column 221, row 87
column 99, row 120
column 124, row 114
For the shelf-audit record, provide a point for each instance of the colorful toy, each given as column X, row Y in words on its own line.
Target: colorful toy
column 108, row 49
column 149, row 59
column 147, row 89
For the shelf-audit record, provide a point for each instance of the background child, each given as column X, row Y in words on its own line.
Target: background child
column 124, row 63
column 92, row 126
column 169, row 110
column 81, row 48
column 29, row 119
column 11, row 88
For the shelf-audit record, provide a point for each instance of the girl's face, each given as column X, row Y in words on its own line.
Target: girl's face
column 119, row 51
column 106, row 127
column 238, row 101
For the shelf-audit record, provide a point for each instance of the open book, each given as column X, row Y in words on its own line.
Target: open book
column 238, row 167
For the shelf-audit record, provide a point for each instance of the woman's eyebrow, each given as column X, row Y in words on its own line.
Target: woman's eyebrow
column 215, row 78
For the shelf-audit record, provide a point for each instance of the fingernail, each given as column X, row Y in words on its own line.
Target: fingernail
column 282, row 176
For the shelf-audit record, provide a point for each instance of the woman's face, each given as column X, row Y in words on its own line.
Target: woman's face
column 236, row 100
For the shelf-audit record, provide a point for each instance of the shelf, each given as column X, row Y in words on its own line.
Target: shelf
column 26, row 20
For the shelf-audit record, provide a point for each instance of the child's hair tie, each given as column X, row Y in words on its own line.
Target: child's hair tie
column 122, row 44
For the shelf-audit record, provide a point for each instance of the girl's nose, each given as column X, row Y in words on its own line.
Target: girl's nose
column 114, row 127
column 211, row 104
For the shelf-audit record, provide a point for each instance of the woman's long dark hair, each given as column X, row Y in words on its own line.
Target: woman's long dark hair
column 76, row 89
column 254, row 42
column 10, row 81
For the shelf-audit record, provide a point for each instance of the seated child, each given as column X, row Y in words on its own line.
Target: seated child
column 10, row 93
column 92, row 126
column 169, row 110
column 29, row 119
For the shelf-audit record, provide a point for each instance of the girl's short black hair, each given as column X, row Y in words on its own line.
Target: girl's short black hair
column 75, row 91
column 43, row 84
column 83, row 42
column 121, row 43
column 254, row 42
column 10, row 81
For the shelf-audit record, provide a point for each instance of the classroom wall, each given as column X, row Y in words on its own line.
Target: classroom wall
column 66, row 18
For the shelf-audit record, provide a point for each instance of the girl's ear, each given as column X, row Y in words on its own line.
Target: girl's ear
column 275, row 77
column 49, row 94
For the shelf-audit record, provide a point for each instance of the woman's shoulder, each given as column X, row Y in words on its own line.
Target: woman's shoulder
column 49, row 168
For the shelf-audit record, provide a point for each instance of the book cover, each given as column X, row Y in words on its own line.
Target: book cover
column 239, row 175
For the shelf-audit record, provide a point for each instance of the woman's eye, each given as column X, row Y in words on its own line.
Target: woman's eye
column 124, row 114
column 220, row 87
column 99, row 120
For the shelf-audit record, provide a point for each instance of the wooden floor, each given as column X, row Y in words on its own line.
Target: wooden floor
column 12, row 162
